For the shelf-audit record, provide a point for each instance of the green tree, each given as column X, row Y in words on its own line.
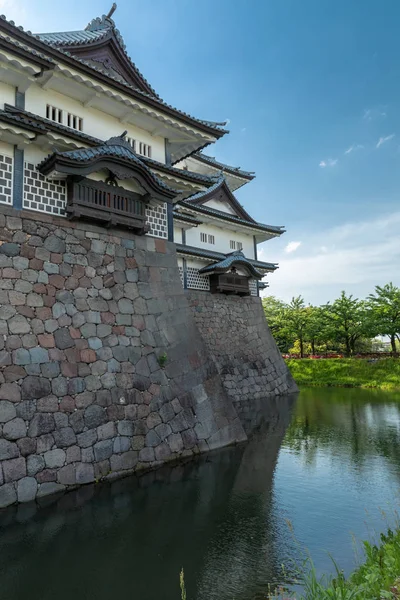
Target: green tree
column 317, row 331
column 348, row 321
column 385, row 307
column 274, row 310
column 297, row 317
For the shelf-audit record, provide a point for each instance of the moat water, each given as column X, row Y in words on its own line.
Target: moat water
column 319, row 469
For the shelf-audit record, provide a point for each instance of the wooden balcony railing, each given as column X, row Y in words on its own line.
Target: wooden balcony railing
column 106, row 203
column 228, row 283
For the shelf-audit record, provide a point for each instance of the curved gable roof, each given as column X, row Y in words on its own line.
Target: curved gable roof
column 221, row 191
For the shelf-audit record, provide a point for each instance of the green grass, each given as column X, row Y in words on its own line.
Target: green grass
column 377, row 578
column 346, row 372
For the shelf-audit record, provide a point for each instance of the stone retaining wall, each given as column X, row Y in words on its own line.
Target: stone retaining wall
column 237, row 336
column 102, row 367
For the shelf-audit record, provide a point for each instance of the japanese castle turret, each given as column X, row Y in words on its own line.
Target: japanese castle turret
column 131, row 331
column 85, row 136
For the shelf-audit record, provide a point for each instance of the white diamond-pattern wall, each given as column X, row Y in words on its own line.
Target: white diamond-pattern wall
column 156, row 217
column 6, row 174
column 43, row 194
column 253, row 287
column 181, row 275
column 195, row 281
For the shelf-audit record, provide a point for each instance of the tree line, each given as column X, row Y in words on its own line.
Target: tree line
column 346, row 325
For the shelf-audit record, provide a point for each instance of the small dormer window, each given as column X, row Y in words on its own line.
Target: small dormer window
column 74, row 122
column 234, row 245
column 54, row 114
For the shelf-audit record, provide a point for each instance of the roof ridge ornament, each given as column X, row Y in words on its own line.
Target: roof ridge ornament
column 103, row 22
column 111, row 11
column 119, row 140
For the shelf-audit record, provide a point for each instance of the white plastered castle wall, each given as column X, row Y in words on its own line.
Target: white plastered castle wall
column 7, row 94
column 95, row 122
column 222, row 237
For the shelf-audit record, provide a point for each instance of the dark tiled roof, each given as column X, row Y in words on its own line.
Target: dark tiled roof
column 219, row 165
column 37, row 123
column 23, row 47
column 227, row 217
column 59, row 53
column 69, row 38
column 114, row 147
column 234, row 258
column 188, row 218
column 218, row 256
column 262, row 285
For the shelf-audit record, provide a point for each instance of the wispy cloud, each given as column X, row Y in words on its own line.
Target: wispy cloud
column 383, row 140
column 292, row 247
column 374, row 113
column 329, row 162
column 355, row 256
column 354, row 147
column 244, row 129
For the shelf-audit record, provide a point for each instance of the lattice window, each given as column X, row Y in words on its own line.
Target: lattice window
column 203, row 237
column 195, row 281
column 181, row 275
column 6, row 173
column 211, row 239
column 156, row 217
column 234, row 245
column 132, row 143
column 74, row 122
column 43, row 194
column 54, row 114
column 144, row 149
column 253, row 287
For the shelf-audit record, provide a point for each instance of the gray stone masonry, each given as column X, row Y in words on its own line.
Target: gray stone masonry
column 85, row 314
column 237, row 336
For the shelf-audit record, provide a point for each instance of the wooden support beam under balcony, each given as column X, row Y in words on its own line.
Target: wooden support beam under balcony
column 229, row 283
column 108, row 204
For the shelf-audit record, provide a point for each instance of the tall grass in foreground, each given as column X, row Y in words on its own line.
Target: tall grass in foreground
column 377, row 578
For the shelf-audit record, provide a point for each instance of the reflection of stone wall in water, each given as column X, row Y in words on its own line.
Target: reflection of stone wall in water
column 197, row 515
column 85, row 315
column 238, row 338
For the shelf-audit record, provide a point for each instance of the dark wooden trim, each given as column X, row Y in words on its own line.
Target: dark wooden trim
column 18, row 178
column 229, row 283
column 183, row 236
column 170, row 222
column 255, row 248
column 167, row 152
column 185, row 282
column 20, row 99
column 109, row 204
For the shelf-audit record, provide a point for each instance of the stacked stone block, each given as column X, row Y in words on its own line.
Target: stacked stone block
column 102, row 368
column 242, row 347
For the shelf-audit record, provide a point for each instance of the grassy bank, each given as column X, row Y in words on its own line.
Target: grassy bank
column 347, row 372
column 377, row 578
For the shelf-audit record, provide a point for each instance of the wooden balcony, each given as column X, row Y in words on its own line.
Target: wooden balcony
column 228, row 283
column 107, row 204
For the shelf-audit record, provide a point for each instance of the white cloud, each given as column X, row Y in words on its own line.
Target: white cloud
column 292, row 247
column 371, row 114
column 355, row 257
column 354, row 147
column 383, row 140
column 244, row 129
column 329, row 162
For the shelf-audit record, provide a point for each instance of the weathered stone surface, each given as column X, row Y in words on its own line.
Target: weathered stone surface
column 147, row 455
column 54, row 458
column 35, row 387
column 67, row 475
column 84, row 473
column 87, row 438
column 26, row 489
column 48, row 488
column 94, row 416
column 175, row 442
column 15, row 429
column 8, row 450
column 64, row 437
column 35, row 464
column 103, row 450
column 27, row 446
column 63, row 339
column 14, row 469
column 162, row 452
column 8, row 494
column 126, row 428
column 152, row 439
column 7, row 411
column 122, row 462
column 40, row 424
column 18, row 324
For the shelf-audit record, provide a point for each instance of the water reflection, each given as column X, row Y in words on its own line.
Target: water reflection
column 223, row 517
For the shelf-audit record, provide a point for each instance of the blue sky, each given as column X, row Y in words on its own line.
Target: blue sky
column 312, row 93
